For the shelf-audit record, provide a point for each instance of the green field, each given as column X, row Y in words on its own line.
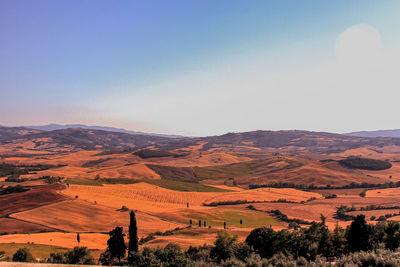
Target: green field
column 253, row 168
column 217, row 216
column 83, row 182
column 37, row 250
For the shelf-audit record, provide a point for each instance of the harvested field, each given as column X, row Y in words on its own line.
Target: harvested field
column 265, row 194
column 37, row 196
column 13, row 226
column 338, row 192
column 65, row 240
column 141, row 196
column 376, row 213
column 82, row 216
column 384, row 193
column 202, row 159
column 312, row 211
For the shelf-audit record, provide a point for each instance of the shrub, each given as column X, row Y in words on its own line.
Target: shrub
column 23, row 255
column 78, row 255
column 3, row 255
column 373, row 258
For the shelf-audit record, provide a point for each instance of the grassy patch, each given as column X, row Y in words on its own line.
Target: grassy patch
column 154, row 153
column 184, row 186
column 118, row 181
column 216, row 217
column 256, row 167
column 37, row 250
column 83, row 182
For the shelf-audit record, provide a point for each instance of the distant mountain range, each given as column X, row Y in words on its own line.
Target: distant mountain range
column 379, row 133
column 77, row 138
column 53, row 137
column 52, row 127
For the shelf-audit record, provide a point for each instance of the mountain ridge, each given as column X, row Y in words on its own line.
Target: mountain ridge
column 395, row 133
column 55, row 126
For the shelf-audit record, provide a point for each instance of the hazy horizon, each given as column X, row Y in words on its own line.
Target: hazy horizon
column 201, row 68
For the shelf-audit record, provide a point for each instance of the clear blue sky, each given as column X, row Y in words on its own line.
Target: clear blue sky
column 186, row 67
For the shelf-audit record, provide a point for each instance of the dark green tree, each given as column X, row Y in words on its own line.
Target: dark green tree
column 78, row 238
column 392, row 235
column 133, row 233
column 338, row 240
column 23, row 255
column 225, row 246
column 116, row 244
column 358, row 234
column 79, row 255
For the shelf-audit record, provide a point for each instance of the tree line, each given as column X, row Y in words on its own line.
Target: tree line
column 360, row 244
column 324, row 187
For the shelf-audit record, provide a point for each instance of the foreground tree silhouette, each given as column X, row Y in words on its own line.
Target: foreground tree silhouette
column 358, row 234
column 133, row 237
column 78, row 238
column 133, row 234
column 115, row 247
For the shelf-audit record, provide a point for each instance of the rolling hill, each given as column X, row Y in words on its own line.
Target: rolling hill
column 77, row 138
column 285, row 141
column 379, row 133
column 53, row 126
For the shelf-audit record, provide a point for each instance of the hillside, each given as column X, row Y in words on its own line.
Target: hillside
column 53, row 126
column 256, row 141
column 379, row 133
column 289, row 141
column 77, row 138
column 10, row 133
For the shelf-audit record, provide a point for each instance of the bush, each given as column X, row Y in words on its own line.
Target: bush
column 78, row 255
column 363, row 193
column 373, row 258
column 3, row 256
column 13, row 189
column 23, row 255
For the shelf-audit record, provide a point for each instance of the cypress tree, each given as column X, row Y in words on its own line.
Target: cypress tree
column 78, row 238
column 133, row 235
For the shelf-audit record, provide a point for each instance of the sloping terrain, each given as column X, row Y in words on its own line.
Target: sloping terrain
column 77, row 138
column 278, row 141
column 271, row 169
column 37, row 196
column 82, row 216
column 10, row 133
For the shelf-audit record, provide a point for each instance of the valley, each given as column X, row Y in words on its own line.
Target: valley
column 58, row 183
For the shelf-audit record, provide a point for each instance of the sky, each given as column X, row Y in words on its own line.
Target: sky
column 201, row 68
